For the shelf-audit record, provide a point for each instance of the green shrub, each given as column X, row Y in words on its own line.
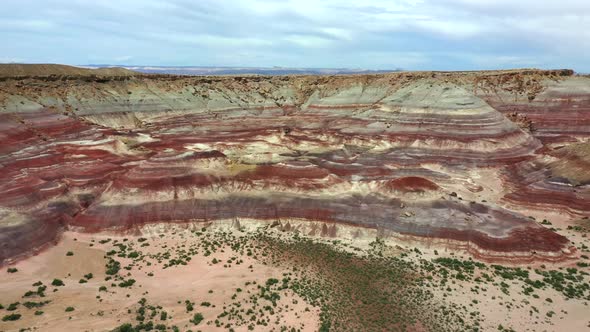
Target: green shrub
column 189, row 306
column 127, row 283
column 325, row 326
column 197, row 318
column 70, row 309
column 113, row 267
column 11, row 317
column 125, row 328
column 30, row 305
column 133, row 254
column 12, row 270
column 57, row 282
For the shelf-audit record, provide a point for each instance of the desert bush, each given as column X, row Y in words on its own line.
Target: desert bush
column 197, row 318
column 189, row 306
column 125, row 328
column 57, row 282
column 11, row 317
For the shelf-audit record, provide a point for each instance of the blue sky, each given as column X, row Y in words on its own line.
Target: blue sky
column 371, row 34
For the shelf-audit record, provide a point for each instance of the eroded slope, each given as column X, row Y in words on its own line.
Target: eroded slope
column 433, row 157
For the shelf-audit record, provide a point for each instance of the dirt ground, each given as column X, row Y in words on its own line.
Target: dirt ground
column 223, row 283
column 199, row 281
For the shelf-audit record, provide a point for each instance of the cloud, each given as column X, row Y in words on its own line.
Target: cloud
column 123, row 58
column 379, row 34
column 25, row 24
column 11, row 60
column 308, row 41
column 212, row 41
column 450, row 28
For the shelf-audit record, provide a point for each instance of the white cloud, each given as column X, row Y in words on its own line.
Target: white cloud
column 211, row 40
column 451, row 28
column 26, row 24
column 123, row 58
column 437, row 34
column 308, row 41
column 338, row 33
column 11, row 60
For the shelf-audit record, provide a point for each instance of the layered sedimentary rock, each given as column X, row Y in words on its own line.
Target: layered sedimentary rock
column 427, row 156
column 554, row 110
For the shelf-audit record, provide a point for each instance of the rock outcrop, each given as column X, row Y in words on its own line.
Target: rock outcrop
column 423, row 155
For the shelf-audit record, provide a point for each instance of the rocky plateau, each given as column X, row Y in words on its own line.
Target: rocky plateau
column 465, row 160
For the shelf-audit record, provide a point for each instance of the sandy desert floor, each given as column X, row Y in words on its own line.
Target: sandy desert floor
column 188, row 278
column 209, row 287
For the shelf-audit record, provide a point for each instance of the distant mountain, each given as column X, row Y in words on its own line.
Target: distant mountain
column 48, row 69
column 201, row 71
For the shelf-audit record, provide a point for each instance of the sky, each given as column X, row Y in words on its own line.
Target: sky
column 368, row 34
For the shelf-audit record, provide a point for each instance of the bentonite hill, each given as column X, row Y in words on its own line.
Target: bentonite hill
column 471, row 187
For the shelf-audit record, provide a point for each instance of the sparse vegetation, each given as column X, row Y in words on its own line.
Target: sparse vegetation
column 57, row 282
column 11, row 317
column 30, row 305
column 348, row 287
column 13, row 306
column 197, row 318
